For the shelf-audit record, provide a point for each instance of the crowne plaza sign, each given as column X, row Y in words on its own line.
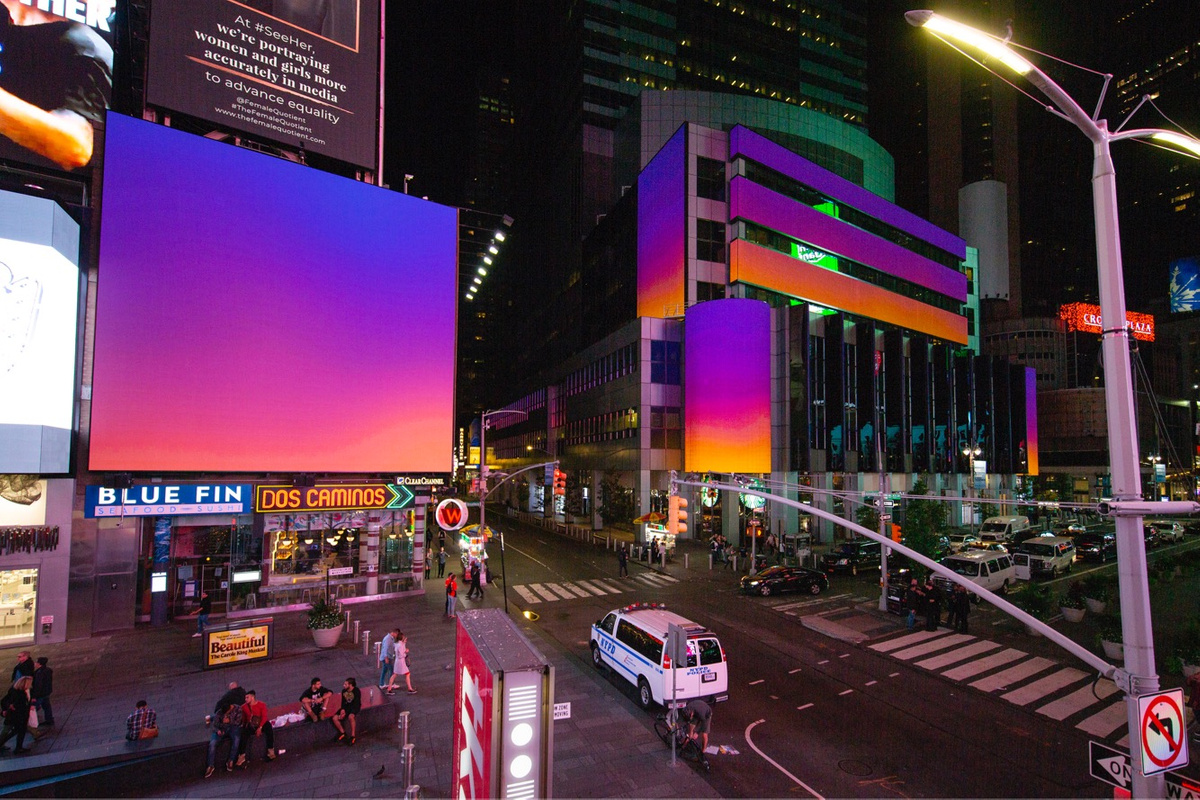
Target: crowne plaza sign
column 1085, row 317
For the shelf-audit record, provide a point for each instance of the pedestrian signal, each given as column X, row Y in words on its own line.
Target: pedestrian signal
column 677, row 515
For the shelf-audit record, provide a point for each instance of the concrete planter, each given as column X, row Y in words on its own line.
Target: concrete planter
column 1113, row 651
column 1189, row 670
column 327, row 637
column 1073, row 614
column 1094, row 606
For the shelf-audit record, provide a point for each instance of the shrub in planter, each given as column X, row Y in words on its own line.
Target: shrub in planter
column 1109, row 629
column 1187, row 647
column 1035, row 601
column 1072, row 606
column 324, row 614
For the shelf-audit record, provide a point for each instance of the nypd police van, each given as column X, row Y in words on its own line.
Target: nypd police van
column 632, row 641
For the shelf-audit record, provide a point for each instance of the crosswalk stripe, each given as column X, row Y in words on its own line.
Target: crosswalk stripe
column 973, row 668
column 1013, row 674
column 954, row 656
column 593, row 588
column 656, row 578
column 613, row 588
column 1044, row 686
column 1078, row 700
column 934, row 645
column 903, row 641
column 561, row 592
column 570, row 587
column 1105, row 722
column 809, row 601
column 543, row 591
column 527, row 595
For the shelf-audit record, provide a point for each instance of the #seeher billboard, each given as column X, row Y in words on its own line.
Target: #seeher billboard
column 298, row 72
column 256, row 315
column 56, row 65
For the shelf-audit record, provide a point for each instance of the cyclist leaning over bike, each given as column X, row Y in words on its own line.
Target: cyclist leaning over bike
column 698, row 716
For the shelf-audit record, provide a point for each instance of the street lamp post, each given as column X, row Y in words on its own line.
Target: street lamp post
column 1139, row 676
column 483, row 478
column 972, row 452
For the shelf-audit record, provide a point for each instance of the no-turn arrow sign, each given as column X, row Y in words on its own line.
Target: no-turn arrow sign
column 1163, row 731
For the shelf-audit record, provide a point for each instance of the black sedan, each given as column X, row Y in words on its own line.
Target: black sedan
column 777, row 580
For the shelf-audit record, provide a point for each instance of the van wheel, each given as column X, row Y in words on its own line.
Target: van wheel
column 1053, row 573
column 645, row 697
column 1003, row 587
column 597, row 659
column 815, row 588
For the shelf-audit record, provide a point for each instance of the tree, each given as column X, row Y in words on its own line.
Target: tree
column 868, row 517
column 616, row 501
column 924, row 521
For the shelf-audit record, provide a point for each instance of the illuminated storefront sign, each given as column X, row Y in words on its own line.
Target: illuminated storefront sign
column 251, row 643
column 1085, row 317
column 334, row 497
column 167, row 499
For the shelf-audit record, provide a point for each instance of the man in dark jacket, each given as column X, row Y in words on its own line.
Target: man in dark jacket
column 15, row 708
column 933, row 605
column 23, row 668
column 43, row 687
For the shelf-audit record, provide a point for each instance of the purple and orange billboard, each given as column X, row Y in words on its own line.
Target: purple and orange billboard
column 727, row 387
column 257, row 315
column 662, row 230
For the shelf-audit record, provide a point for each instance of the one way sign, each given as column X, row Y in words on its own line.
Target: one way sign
column 1112, row 767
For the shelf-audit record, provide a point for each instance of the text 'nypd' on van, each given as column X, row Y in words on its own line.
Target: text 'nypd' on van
column 632, row 641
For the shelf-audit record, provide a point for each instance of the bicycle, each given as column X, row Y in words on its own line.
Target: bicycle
column 687, row 748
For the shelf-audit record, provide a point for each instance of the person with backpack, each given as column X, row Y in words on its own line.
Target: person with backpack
column 227, row 724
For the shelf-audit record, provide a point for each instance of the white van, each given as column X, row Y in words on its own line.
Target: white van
column 1047, row 556
column 1004, row 530
column 632, row 641
column 991, row 570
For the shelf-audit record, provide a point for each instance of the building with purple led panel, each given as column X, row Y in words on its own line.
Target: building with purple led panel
column 758, row 305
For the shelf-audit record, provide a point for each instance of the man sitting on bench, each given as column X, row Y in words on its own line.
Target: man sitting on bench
column 313, row 700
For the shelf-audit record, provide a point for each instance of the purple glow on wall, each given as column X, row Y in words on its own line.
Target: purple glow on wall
column 744, row 142
column 257, row 315
column 790, row 217
column 727, row 387
column 1031, row 425
column 662, row 229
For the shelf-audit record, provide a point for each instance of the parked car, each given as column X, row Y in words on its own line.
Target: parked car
column 778, row 580
column 852, row 557
column 962, row 541
column 1150, row 533
column 1096, row 546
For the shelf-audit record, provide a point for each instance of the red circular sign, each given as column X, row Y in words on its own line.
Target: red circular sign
column 451, row 514
column 1174, row 739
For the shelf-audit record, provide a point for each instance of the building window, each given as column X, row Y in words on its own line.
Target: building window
column 664, row 362
column 710, row 179
column 710, row 240
column 18, row 604
column 666, row 428
column 706, row 291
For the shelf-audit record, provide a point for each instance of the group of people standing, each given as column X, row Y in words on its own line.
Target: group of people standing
column 29, row 693
column 926, row 599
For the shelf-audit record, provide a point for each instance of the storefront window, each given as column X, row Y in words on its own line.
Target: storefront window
column 18, row 604
column 396, row 543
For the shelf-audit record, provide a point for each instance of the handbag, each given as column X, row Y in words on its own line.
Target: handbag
column 147, row 733
column 33, row 718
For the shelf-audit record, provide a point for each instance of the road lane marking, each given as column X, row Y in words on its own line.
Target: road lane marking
column 933, row 646
column 1078, row 700
column 893, row 674
column 957, row 655
column 793, row 671
column 844, row 655
column 543, row 591
column 980, row 665
column 531, row 558
column 527, row 595
column 1011, row 675
column 903, row 641
column 775, row 763
column 596, row 587
column 560, row 591
column 1044, row 686
column 806, row 705
column 842, row 694
column 870, row 683
column 570, row 587
column 757, row 682
column 826, row 661
column 606, row 584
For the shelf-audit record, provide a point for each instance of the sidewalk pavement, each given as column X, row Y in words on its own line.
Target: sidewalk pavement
column 604, row 749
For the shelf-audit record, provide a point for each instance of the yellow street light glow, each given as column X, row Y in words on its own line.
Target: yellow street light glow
column 482, row 271
column 487, row 260
column 965, row 34
column 478, row 281
column 499, row 236
column 1185, row 143
column 493, row 250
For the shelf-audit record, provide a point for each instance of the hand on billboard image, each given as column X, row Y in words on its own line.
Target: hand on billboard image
column 336, row 20
column 55, row 81
column 19, row 299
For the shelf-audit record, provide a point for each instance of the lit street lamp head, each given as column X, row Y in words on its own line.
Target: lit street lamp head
column 985, row 43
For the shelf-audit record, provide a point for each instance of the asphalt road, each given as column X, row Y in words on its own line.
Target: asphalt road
column 809, row 715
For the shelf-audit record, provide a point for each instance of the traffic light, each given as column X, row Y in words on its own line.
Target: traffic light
column 895, row 533
column 560, row 482
column 677, row 515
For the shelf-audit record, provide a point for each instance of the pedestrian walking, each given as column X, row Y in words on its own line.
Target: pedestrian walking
column 402, row 656
column 23, row 668
column 428, row 562
column 916, row 602
column 387, row 660
column 933, row 605
column 441, row 562
column 16, row 705
column 476, row 591
column 43, row 687
column 960, row 607
column 654, row 551
column 451, row 595
column 622, row 561
column 202, row 612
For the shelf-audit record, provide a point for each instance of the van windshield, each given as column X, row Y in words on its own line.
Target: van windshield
column 967, row 569
column 1035, row 549
column 993, row 527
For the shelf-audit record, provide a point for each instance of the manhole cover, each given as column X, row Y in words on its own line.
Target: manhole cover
column 857, row 768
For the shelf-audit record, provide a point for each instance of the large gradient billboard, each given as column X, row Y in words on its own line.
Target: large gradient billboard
column 298, row 72
column 662, row 229
column 56, row 65
column 39, row 306
column 727, row 387
column 257, row 315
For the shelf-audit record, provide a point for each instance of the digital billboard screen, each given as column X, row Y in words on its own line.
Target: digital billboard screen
column 56, row 67
column 298, row 72
column 39, row 306
column 1185, row 284
column 257, row 315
